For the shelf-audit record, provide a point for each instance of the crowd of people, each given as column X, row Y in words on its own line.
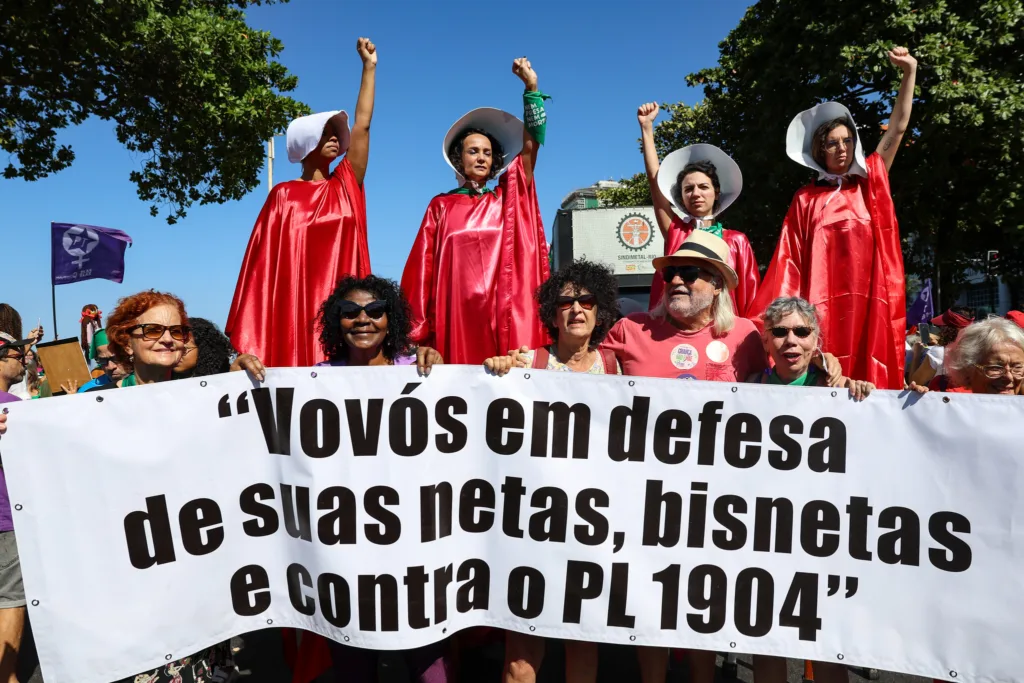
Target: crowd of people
column 477, row 290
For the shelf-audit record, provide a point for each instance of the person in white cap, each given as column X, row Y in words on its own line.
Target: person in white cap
column 310, row 233
column 840, row 244
column 481, row 253
column 690, row 190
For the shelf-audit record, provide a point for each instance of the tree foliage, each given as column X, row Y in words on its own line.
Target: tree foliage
column 957, row 181
column 193, row 90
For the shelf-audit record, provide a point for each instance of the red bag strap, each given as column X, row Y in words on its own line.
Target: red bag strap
column 608, row 358
column 540, row 358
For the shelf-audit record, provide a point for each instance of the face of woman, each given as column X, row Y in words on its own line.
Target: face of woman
column 189, row 357
column 698, row 194
column 164, row 352
column 573, row 320
column 364, row 332
column 839, row 145
column 328, row 147
column 791, row 353
column 993, row 376
column 476, row 158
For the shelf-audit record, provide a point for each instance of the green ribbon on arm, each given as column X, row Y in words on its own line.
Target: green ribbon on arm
column 534, row 115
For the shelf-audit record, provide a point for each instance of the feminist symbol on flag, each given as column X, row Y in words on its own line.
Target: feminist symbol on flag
column 79, row 241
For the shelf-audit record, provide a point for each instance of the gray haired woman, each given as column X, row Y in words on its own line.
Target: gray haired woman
column 791, row 337
column 988, row 358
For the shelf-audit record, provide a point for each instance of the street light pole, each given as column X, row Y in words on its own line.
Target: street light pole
column 270, row 165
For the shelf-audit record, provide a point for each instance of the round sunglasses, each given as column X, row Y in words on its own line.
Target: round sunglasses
column 685, row 273
column 586, row 302
column 800, row 331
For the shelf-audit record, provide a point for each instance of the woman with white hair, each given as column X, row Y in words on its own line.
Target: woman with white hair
column 987, row 358
column 310, row 234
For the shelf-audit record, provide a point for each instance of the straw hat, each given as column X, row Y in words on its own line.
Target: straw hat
column 505, row 128
column 706, row 247
column 730, row 179
column 304, row 133
column 801, row 131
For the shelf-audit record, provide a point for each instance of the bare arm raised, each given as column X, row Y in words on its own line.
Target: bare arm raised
column 524, row 70
column 645, row 114
column 359, row 146
column 899, row 119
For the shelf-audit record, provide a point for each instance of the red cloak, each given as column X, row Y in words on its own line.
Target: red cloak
column 741, row 258
column 309, row 235
column 473, row 269
column 840, row 250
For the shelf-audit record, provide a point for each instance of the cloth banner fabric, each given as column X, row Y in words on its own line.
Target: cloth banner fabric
column 86, row 252
column 387, row 510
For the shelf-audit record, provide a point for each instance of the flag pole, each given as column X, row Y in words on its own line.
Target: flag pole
column 53, row 286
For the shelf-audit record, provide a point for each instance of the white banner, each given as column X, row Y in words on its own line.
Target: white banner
column 387, row 511
column 628, row 240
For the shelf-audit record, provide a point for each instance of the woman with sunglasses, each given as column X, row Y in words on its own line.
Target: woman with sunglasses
column 840, row 242
column 578, row 305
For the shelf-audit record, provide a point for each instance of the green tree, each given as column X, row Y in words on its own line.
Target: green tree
column 957, row 181
column 193, row 90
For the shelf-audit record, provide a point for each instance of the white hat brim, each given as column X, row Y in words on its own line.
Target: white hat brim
column 730, row 179
column 504, row 127
column 800, row 134
column 304, row 133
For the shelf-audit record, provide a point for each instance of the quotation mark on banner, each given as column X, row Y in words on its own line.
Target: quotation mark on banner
column 834, row 581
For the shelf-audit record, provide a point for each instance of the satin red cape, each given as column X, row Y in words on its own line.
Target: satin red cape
column 308, row 236
column 473, row 269
column 741, row 258
column 840, row 250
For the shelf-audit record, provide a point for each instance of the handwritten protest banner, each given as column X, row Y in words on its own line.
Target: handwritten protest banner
column 386, row 510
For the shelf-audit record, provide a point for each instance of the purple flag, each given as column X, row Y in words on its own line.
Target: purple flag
column 923, row 308
column 85, row 252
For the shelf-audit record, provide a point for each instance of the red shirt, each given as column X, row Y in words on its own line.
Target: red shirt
column 651, row 347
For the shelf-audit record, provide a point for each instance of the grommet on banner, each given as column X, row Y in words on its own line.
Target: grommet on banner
column 35, row 603
column 735, row 389
column 834, row 394
column 632, row 383
column 313, row 375
column 5, row 411
column 952, row 674
column 527, row 375
column 632, row 638
column 99, row 399
column 945, row 399
column 167, row 657
column 269, row 622
column 18, row 507
column 533, row 628
column 444, row 630
column 840, row 657
column 203, row 383
column 732, row 645
column 346, row 639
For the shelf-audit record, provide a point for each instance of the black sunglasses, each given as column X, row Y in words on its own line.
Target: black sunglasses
column 685, row 273
column 586, row 302
column 781, row 332
column 153, row 332
column 350, row 310
column 102, row 361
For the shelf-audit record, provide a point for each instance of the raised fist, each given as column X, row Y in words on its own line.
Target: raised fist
column 367, row 51
column 901, row 57
column 521, row 68
column 646, row 113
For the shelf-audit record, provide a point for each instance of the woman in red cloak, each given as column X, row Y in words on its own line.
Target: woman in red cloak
column 690, row 189
column 310, row 233
column 481, row 252
column 840, row 243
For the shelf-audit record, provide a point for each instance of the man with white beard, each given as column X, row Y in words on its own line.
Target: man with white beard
column 693, row 334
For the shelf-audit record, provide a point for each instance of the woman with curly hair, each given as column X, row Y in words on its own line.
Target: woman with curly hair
column 481, row 252
column 209, row 352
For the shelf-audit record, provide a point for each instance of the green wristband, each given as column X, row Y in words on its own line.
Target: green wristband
column 534, row 115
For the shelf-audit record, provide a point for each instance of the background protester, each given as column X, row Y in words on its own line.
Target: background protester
column 698, row 182
column 91, row 322
column 792, row 340
column 208, row 351
column 987, row 358
column 24, row 388
column 481, row 253
column 950, row 324
column 578, row 306
column 12, row 590
column 365, row 322
column 840, row 244
column 114, row 369
column 313, row 228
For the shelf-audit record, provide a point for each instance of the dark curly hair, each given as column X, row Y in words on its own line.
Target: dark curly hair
column 328, row 320
column 948, row 334
column 707, row 168
column 214, row 348
column 821, row 134
column 497, row 151
column 597, row 279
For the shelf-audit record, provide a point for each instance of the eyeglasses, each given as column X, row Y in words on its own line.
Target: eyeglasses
column 103, row 361
column 153, row 332
column 997, row 370
column 800, row 331
column 20, row 357
column 350, row 310
column 685, row 273
column 833, row 145
column 586, row 302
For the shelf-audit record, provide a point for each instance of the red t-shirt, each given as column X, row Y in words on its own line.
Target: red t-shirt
column 651, row 347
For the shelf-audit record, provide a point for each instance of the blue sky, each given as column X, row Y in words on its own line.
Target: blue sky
column 598, row 60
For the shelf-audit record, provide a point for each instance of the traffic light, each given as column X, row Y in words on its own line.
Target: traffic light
column 992, row 262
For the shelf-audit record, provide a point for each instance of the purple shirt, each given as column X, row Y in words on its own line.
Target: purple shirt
column 6, row 522
column 408, row 359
